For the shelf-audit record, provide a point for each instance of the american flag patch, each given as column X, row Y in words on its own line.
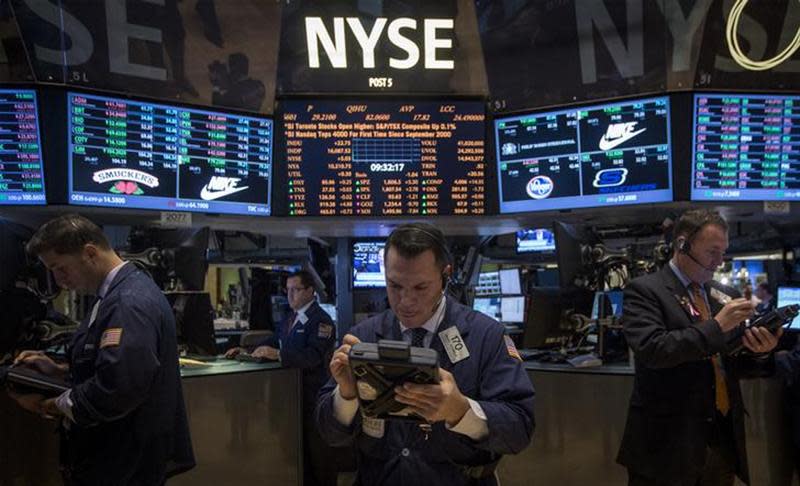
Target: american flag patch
column 111, row 337
column 325, row 331
column 512, row 349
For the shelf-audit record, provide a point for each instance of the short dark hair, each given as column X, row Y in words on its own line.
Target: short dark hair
column 305, row 277
column 413, row 239
column 766, row 287
column 66, row 235
column 691, row 222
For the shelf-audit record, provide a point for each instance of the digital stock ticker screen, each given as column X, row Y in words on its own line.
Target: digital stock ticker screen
column 595, row 156
column 384, row 158
column 746, row 147
column 125, row 153
column 21, row 165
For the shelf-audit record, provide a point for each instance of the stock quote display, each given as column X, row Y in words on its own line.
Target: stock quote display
column 595, row 156
column 746, row 147
column 125, row 153
column 382, row 158
column 21, row 172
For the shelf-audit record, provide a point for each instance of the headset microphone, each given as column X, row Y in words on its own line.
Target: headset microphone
column 710, row 269
column 686, row 248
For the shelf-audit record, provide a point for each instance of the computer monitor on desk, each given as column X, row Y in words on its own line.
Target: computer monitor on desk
column 194, row 320
column 547, row 323
column 488, row 305
column 788, row 296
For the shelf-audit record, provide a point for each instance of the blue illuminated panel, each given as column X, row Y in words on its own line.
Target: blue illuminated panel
column 595, row 156
column 368, row 270
column 535, row 241
column 746, row 148
column 125, row 153
column 789, row 296
column 21, row 172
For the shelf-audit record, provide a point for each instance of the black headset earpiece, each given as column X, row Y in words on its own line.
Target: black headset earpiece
column 684, row 246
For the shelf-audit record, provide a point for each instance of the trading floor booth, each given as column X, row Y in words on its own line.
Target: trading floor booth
column 298, row 134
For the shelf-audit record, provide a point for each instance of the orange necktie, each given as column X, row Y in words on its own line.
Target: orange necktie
column 722, row 400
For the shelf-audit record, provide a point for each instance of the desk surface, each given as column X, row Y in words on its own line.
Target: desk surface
column 224, row 366
column 611, row 369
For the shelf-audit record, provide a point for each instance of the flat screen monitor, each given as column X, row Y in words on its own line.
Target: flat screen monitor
column 746, row 147
column 488, row 283
column 134, row 154
column 572, row 241
column 788, row 296
column 21, row 165
column 489, row 306
column 509, row 282
column 595, row 156
column 384, row 158
column 368, row 270
column 611, row 302
column 512, row 309
column 539, row 240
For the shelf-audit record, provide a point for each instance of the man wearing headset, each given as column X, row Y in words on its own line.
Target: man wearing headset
column 481, row 409
column 685, row 422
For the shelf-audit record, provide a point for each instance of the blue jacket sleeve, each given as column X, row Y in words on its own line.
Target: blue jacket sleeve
column 124, row 373
column 320, row 337
column 271, row 340
column 506, row 396
column 333, row 432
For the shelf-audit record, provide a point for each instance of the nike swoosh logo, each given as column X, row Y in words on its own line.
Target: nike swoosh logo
column 606, row 144
column 207, row 195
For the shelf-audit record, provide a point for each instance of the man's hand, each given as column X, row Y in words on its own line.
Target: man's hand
column 233, row 352
column 734, row 313
column 32, row 402
column 759, row 340
column 442, row 401
column 39, row 361
column 340, row 368
column 267, row 352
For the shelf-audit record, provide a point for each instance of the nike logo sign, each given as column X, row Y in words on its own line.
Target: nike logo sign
column 617, row 134
column 219, row 187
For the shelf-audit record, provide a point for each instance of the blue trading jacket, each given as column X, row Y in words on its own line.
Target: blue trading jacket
column 308, row 346
column 489, row 376
column 130, row 421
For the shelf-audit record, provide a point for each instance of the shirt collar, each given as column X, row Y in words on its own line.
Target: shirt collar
column 103, row 290
column 685, row 281
column 302, row 310
column 433, row 323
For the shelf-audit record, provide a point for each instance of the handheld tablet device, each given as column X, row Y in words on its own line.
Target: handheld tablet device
column 379, row 368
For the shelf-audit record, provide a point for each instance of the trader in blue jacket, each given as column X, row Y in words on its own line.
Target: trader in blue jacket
column 481, row 409
column 305, row 340
column 123, row 419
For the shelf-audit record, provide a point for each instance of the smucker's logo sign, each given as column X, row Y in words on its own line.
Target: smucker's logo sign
column 125, row 181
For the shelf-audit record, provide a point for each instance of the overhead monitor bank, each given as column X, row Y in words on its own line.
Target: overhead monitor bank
column 594, row 156
column 384, row 158
column 746, row 147
column 125, row 153
column 21, row 164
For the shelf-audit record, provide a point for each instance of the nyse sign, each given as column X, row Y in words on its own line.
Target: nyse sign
column 399, row 33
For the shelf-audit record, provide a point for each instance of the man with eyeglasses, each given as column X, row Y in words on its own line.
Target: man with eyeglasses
column 685, row 422
column 305, row 340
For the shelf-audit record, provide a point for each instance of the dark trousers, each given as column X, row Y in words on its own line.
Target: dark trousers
column 319, row 461
column 719, row 470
